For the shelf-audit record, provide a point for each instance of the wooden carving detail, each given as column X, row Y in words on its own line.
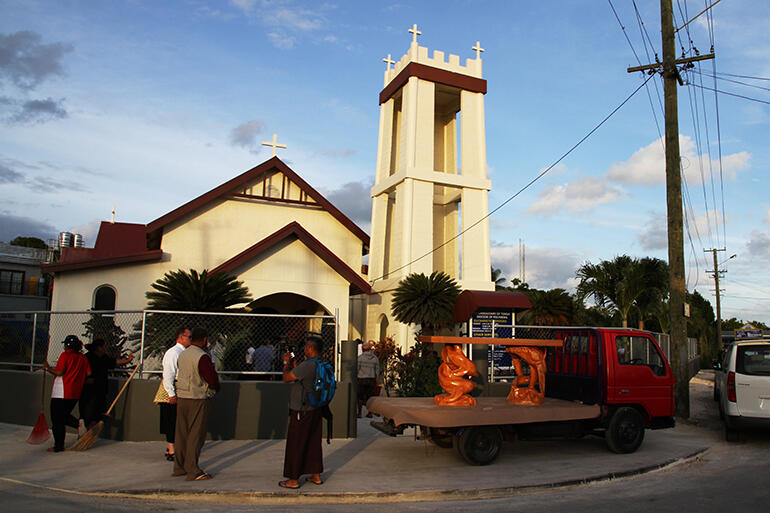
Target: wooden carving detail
column 452, row 376
column 535, row 358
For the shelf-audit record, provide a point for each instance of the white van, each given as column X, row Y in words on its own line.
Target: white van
column 743, row 383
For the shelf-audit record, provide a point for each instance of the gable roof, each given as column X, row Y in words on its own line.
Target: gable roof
column 117, row 243
column 237, row 183
column 295, row 230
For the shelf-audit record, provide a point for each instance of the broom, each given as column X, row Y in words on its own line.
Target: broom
column 40, row 432
column 87, row 440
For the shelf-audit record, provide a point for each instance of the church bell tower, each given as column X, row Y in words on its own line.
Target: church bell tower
column 430, row 196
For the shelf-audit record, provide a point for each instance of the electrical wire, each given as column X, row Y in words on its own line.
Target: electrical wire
column 716, row 75
column 731, row 94
column 527, row 186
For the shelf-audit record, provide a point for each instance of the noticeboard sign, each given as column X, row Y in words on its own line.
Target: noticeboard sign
column 492, row 324
column 744, row 334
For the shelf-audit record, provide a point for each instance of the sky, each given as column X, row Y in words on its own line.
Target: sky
column 143, row 105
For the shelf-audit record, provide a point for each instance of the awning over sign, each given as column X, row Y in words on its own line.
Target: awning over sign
column 469, row 301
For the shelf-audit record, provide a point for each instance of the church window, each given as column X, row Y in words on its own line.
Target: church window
column 104, row 298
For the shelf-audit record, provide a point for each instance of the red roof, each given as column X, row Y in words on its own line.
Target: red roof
column 469, row 301
column 291, row 231
column 117, row 243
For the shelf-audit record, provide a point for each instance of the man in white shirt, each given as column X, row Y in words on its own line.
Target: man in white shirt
column 368, row 370
column 168, row 409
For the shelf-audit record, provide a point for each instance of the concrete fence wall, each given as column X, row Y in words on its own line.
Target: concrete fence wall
column 242, row 410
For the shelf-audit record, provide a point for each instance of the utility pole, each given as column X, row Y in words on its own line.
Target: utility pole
column 716, row 272
column 677, row 290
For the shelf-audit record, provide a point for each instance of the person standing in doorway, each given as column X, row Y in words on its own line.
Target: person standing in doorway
column 368, row 370
column 71, row 372
column 303, row 438
column 197, row 381
column 93, row 399
column 167, row 400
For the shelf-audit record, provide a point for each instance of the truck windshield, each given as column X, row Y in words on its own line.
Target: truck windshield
column 753, row 360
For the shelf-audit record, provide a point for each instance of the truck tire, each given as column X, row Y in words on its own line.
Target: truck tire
column 731, row 433
column 625, row 431
column 479, row 445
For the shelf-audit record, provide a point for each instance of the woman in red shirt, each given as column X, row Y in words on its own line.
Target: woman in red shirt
column 71, row 372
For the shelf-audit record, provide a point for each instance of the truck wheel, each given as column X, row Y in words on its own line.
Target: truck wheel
column 479, row 445
column 625, row 431
column 730, row 432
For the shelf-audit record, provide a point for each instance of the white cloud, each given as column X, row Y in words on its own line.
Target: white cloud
column 577, row 196
column 759, row 244
column 245, row 135
column 281, row 40
column 545, row 268
column 647, row 166
column 654, row 235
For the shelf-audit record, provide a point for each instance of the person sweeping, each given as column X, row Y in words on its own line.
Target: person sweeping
column 93, row 399
column 71, row 371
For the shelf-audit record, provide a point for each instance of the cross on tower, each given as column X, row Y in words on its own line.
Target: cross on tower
column 414, row 33
column 478, row 49
column 274, row 144
column 388, row 61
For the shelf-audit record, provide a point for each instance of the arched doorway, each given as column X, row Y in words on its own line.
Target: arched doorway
column 292, row 329
column 383, row 330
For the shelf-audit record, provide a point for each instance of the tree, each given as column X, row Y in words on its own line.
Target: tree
column 29, row 242
column 182, row 291
column 553, row 307
column 193, row 292
column 498, row 279
column 655, row 276
column 617, row 283
column 426, row 300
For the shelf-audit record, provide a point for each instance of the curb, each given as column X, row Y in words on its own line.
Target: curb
column 278, row 498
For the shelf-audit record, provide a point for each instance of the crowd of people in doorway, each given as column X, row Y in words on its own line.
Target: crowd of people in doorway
column 189, row 380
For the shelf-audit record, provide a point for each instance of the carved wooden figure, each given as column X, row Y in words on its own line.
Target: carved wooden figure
column 452, row 376
column 535, row 358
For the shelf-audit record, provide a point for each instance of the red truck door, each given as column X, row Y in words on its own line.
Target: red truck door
column 638, row 373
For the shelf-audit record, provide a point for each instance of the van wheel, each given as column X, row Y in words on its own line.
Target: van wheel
column 479, row 445
column 625, row 432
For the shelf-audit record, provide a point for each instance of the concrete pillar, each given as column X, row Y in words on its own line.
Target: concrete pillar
column 349, row 378
column 479, row 355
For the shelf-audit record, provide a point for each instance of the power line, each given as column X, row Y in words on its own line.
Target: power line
column 716, row 75
column 528, row 185
column 743, row 76
column 730, row 94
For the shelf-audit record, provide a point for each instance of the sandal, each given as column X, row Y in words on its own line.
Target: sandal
column 285, row 484
column 169, row 456
column 318, row 483
column 202, row 476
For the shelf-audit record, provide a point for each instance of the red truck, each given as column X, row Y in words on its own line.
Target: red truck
column 609, row 382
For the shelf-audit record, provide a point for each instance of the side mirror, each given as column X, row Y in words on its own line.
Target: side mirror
column 716, row 365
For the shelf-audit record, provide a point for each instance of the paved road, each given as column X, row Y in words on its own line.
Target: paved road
column 729, row 477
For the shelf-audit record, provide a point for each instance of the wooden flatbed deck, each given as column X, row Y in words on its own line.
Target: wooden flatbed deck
column 490, row 411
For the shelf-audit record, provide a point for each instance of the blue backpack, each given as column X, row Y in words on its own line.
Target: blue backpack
column 324, row 384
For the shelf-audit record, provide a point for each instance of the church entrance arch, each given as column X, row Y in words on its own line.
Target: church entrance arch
column 294, row 327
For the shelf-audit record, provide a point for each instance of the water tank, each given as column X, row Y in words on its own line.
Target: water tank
column 66, row 240
column 79, row 241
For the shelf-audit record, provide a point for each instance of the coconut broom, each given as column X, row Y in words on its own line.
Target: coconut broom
column 40, row 432
column 87, row 440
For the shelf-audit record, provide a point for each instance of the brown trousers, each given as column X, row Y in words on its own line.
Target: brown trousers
column 303, row 444
column 192, row 416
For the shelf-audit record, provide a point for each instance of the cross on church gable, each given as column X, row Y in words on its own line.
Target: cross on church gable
column 274, row 144
column 478, row 49
column 388, row 61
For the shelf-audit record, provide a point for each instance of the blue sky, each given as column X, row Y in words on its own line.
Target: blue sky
column 144, row 105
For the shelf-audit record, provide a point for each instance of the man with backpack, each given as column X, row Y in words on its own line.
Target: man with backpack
column 306, row 410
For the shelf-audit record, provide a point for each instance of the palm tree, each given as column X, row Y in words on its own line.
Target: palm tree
column 656, row 277
column 498, row 279
column 425, row 300
column 553, row 307
column 193, row 292
column 616, row 283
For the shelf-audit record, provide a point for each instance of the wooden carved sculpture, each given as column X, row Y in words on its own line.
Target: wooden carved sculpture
column 452, row 378
column 535, row 358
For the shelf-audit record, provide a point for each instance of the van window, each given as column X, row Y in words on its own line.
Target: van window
column 639, row 351
column 753, row 360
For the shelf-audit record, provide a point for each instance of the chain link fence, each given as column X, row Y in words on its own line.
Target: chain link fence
column 242, row 345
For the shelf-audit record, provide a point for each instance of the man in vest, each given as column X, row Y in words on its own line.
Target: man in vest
column 303, row 438
column 197, row 381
